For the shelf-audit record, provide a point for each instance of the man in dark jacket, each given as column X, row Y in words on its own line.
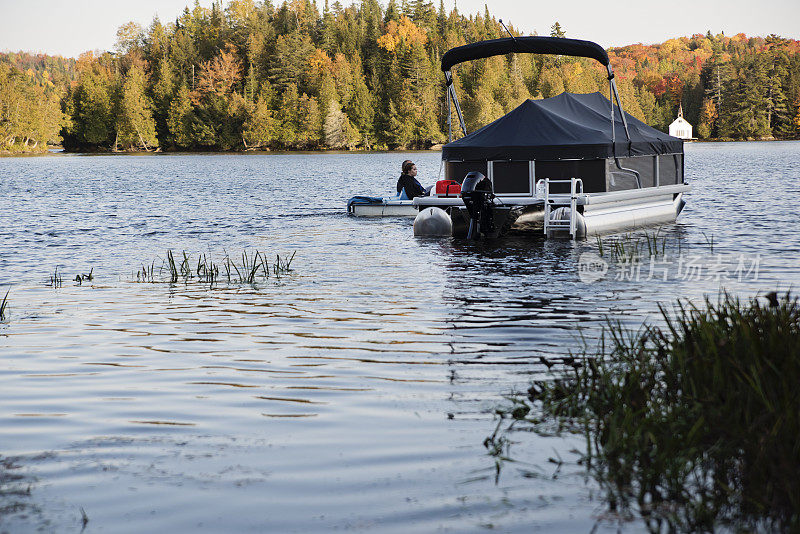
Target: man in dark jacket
column 408, row 181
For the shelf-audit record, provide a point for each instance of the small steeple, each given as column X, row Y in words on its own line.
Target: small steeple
column 680, row 110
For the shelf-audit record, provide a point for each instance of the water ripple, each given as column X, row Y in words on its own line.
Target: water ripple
column 353, row 394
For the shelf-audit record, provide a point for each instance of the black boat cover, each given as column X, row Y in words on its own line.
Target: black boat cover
column 567, row 126
column 531, row 45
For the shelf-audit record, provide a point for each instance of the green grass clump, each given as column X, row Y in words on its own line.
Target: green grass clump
column 696, row 423
column 252, row 268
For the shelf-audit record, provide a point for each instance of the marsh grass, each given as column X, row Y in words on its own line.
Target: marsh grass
column 633, row 247
column 86, row 277
column 251, row 268
column 709, row 241
column 695, row 423
column 3, row 306
column 55, row 279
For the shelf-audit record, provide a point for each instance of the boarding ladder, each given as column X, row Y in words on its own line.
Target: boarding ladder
column 558, row 200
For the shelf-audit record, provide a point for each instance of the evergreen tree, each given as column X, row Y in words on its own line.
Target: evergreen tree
column 310, row 122
column 392, row 12
column 135, row 124
column 647, row 103
column 260, row 127
column 745, row 113
column 163, row 91
column 557, row 31
column 180, row 118
column 778, row 113
column 360, row 109
column 288, row 117
column 289, row 62
column 400, row 131
column 93, row 111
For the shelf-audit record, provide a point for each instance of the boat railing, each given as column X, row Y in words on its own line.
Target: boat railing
column 561, row 200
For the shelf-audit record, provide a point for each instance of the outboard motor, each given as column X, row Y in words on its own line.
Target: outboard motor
column 477, row 194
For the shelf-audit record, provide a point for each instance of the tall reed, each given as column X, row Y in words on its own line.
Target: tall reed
column 632, row 247
column 252, row 268
column 695, row 423
column 55, row 279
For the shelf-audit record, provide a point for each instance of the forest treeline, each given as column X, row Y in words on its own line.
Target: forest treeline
column 257, row 75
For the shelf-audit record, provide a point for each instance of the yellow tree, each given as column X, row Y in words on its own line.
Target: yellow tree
column 708, row 118
column 220, row 74
column 551, row 83
column 216, row 104
column 577, row 78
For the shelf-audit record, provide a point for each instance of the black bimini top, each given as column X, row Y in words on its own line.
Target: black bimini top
column 530, row 45
column 567, row 126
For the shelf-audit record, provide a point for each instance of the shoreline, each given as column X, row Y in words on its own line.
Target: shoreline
column 58, row 151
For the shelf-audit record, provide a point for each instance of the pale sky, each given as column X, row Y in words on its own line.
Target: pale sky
column 70, row 27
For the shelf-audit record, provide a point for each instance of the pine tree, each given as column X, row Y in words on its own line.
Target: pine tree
column 135, row 124
column 557, row 31
column 163, row 91
column 259, row 129
column 180, row 118
column 392, row 12
column 360, row 108
column 94, row 114
column 647, row 103
column 778, row 113
column 289, row 61
column 310, row 122
column 287, row 117
column 400, row 131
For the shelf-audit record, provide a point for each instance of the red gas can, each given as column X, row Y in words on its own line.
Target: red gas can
column 448, row 188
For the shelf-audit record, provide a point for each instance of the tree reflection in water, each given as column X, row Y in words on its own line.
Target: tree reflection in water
column 15, row 489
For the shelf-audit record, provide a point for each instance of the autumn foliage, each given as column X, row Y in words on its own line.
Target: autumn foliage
column 253, row 75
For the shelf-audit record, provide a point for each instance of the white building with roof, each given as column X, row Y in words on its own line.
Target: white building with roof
column 680, row 127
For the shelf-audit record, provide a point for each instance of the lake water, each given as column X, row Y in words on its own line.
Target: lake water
column 354, row 393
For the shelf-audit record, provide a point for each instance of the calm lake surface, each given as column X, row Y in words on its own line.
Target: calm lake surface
column 353, row 394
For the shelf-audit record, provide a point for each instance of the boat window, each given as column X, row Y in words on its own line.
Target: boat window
column 670, row 169
column 644, row 165
column 457, row 170
column 511, row 177
column 591, row 171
